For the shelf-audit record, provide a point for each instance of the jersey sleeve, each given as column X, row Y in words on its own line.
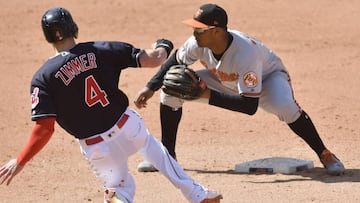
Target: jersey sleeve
column 241, row 67
column 42, row 104
column 189, row 53
column 249, row 83
column 121, row 54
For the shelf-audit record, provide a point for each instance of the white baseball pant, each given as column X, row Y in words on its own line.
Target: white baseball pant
column 109, row 158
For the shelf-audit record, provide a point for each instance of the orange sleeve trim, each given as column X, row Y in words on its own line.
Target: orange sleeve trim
column 251, row 94
column 39, row 137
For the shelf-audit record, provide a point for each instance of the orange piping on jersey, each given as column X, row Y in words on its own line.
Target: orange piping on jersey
column 292, row 91
column 251, row 94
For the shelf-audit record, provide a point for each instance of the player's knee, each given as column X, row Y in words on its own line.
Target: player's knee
column 286, row 111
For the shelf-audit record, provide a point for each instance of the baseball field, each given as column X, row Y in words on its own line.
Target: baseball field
column 318, row 41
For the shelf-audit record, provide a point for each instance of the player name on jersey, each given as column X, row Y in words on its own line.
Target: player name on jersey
column 76, row 66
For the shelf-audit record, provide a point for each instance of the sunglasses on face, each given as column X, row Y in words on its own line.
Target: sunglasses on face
column 201, row 30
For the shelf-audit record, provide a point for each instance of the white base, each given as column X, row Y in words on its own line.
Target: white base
column 274, row 165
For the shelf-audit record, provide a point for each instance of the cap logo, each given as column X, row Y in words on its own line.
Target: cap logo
column 198, row 13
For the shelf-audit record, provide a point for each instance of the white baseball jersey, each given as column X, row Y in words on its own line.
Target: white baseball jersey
column 243, row 65
column 247, row 68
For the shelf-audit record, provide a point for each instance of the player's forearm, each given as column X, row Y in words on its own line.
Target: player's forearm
column 156, row 56
column 155, row 82
column 40, row 135
column 247, row 105
column 153, row 58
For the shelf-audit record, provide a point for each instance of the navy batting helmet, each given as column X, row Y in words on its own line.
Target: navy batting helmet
column 57, row 24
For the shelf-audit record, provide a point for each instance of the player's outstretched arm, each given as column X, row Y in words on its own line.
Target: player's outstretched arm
column 142, row 96
column 239, row 103
column 155, row 83
column 40, row 135
column 154, row 57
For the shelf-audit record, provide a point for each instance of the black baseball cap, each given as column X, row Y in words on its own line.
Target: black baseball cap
column 208, row 15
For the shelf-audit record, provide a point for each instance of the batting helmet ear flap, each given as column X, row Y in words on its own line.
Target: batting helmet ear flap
column 58, row 24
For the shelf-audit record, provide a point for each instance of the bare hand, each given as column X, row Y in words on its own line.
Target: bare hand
column 142, row 96
column 9, row 170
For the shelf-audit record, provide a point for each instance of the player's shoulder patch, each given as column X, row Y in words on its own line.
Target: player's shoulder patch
column 35, row 97
column 250, row 79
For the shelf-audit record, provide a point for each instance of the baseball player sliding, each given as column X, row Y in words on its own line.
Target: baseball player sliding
column 78, row 88
column 241, row 74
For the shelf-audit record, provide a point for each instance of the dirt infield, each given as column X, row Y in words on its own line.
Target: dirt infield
column 317, row 40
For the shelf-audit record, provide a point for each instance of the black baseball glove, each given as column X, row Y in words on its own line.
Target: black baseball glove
column 183, row 82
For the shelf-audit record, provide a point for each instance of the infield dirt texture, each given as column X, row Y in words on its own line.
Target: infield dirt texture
column 318, row 40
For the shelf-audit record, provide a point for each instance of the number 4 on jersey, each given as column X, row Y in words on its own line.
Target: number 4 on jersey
column 93, row 93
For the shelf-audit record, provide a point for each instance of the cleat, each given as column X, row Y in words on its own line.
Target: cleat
column 146, row 166
column 111, row 197
column 117, row 200
column 332, row 164
column 212, row 197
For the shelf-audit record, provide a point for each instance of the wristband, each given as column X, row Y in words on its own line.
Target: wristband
column 166, row 44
